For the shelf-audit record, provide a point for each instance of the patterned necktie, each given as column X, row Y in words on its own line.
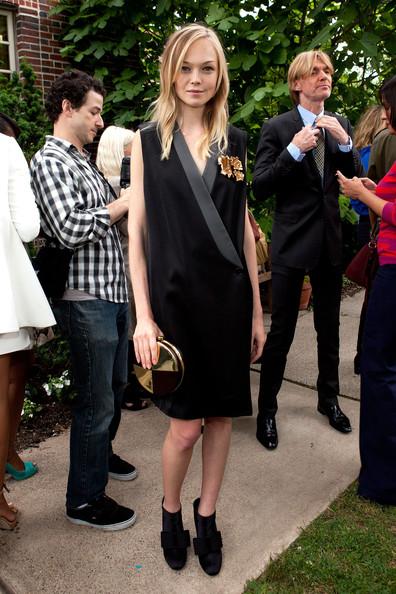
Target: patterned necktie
column 319, row 152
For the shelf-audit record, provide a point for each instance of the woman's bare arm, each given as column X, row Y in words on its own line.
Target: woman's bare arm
column 258, row 332
column 146, row 330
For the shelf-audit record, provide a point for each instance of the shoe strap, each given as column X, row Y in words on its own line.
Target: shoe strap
column 208, row 544
column 175, row 540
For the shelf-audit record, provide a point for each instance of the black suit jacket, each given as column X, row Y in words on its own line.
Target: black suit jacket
column 307, row 216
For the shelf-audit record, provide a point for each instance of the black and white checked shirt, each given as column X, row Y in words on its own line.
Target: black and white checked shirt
column 71, row 195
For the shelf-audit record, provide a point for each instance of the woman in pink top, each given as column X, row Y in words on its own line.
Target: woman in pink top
column 377, row 480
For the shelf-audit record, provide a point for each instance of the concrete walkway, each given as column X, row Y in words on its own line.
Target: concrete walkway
column 266, row 499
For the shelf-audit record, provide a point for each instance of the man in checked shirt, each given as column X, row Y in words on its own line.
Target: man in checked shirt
column 78, row 210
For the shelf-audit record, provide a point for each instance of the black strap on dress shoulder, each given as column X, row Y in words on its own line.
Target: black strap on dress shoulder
column 210, row 172
column 201, row 190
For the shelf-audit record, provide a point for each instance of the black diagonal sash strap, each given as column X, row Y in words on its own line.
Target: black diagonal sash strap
column 209, row 175
column 200, row 188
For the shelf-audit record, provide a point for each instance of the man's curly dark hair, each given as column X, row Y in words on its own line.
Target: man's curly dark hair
column 74, row 86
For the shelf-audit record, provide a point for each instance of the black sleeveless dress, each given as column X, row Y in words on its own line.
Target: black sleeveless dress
column 201, row 302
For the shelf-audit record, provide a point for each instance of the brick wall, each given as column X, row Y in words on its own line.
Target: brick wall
column 37, row 38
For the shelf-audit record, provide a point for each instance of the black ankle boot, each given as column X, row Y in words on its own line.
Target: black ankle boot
column 208, row 543
column 174, row 539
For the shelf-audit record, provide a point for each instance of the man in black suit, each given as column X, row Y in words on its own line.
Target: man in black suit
column 297, row 157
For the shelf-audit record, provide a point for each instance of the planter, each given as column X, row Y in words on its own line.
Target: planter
column 306, row 293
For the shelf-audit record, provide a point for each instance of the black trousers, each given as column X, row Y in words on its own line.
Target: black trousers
column 377, row 479
column 326, row 281
column 363, row 237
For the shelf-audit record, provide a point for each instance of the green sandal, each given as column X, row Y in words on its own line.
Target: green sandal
column 20, row 475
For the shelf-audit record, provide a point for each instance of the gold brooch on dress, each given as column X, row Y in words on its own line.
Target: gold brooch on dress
column 231, row 167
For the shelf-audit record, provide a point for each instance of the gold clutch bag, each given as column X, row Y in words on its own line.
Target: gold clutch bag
column 166, row 375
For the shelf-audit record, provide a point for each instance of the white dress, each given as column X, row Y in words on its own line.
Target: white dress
column 23, row 304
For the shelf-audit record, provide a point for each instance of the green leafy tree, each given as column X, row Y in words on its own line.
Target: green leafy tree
column 22, row 100
column 121, row 41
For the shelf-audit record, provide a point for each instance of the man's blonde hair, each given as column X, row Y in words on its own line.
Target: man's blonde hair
column 166, row 108
column 302, row 66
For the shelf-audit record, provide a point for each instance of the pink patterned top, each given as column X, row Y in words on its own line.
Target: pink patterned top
column 386, row 189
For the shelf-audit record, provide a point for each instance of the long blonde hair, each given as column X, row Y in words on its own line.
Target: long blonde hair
column 166, row 108
column 111, row 149
column 370, row 122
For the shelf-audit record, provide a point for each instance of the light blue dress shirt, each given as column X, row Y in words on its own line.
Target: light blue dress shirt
column 308, row 119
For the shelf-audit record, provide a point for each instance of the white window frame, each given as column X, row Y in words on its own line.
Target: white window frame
column 10, row 43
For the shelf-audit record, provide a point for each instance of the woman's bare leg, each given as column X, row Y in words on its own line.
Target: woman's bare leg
column 176, row 455
column 5, row 363
column 20, row 365
column 215, row 447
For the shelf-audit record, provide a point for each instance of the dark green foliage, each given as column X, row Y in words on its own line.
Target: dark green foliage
column 260, row 44
column 23, row 101
column 121, row 41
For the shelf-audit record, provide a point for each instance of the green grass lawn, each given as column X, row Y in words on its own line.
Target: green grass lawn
column 349, row 549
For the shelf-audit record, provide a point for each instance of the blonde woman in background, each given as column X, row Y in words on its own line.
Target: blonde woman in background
column 372, row 121
column 202, row 297
column 23, row 305
column 116, row 143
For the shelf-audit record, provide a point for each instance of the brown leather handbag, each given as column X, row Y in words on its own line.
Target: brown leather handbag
column 363, row 266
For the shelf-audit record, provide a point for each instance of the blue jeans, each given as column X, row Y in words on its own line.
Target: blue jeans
column 97, row 332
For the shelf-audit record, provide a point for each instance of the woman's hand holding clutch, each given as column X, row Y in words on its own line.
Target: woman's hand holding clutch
column 145, row 342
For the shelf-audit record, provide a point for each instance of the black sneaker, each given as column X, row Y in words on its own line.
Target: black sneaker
column 104, row 513
column 121, row 470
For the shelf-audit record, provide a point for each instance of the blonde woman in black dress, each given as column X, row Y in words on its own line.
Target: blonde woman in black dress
column 194, row 275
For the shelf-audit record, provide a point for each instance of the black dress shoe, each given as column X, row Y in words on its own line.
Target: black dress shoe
column 267, row 433
column 174, row 539
column 336, row 417
column 208, row 543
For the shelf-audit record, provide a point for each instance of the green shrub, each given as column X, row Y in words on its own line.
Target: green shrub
column 30, row 408
column 23, row 101
column 50, row 378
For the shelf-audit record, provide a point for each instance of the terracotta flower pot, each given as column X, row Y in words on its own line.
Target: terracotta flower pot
column 306, row 293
